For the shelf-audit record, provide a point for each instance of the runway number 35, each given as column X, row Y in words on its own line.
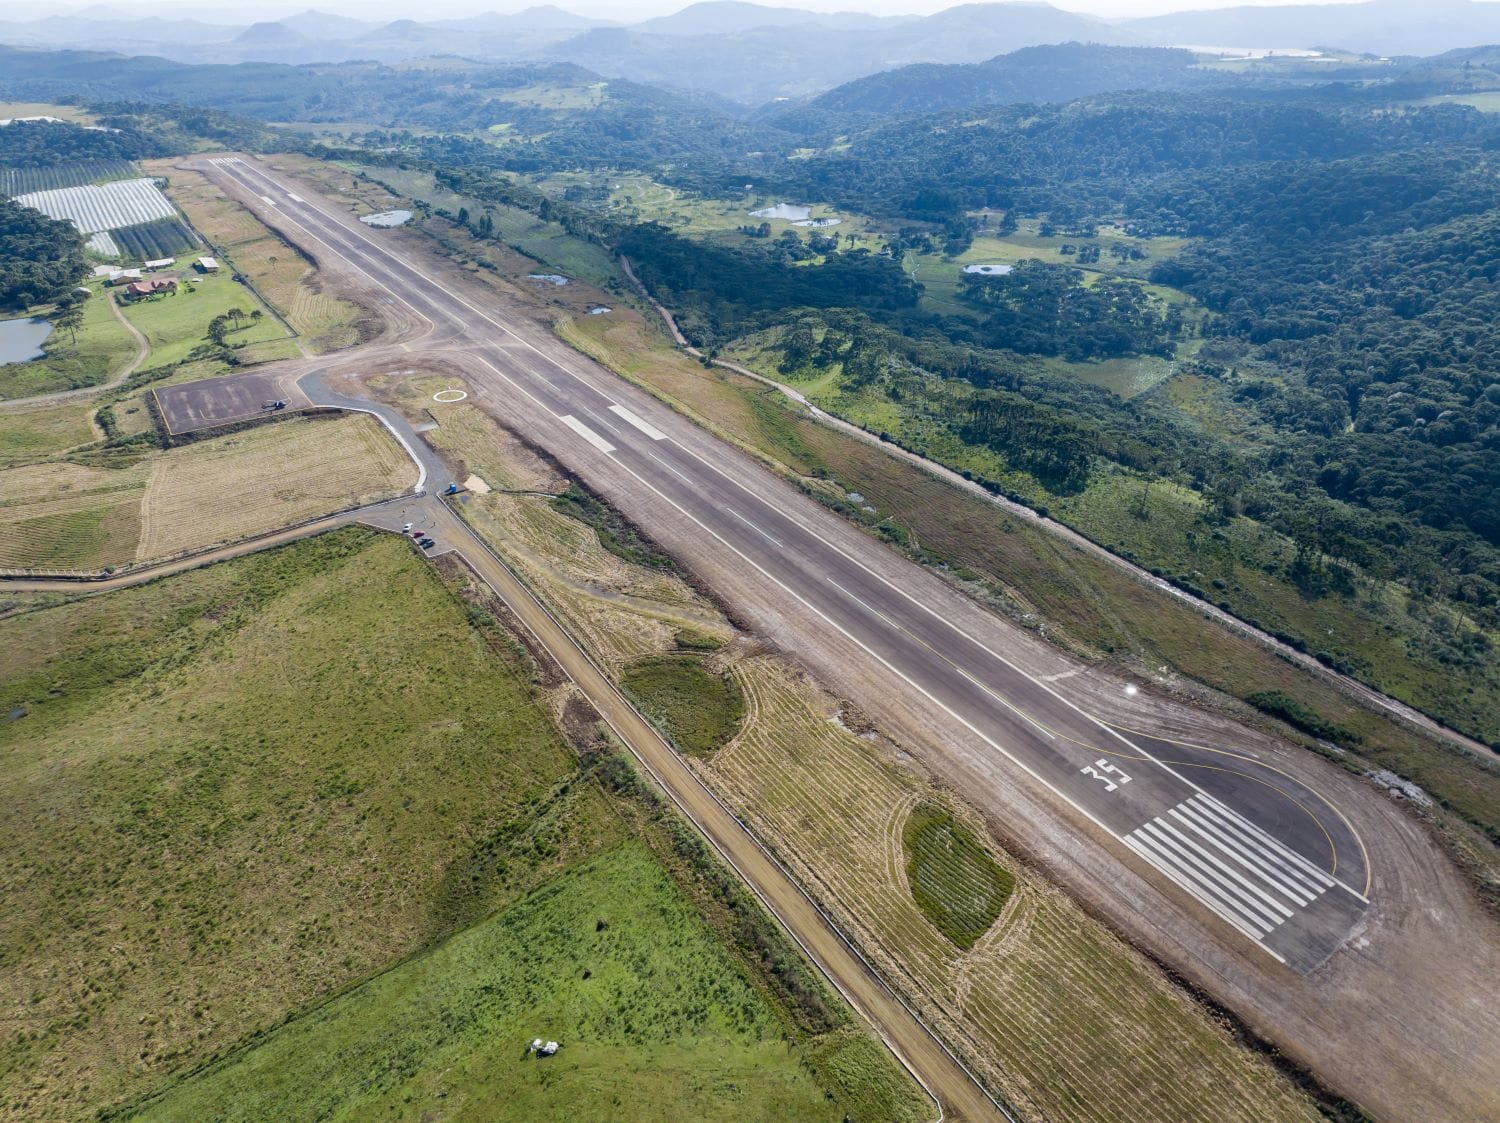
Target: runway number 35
column 1103, row 770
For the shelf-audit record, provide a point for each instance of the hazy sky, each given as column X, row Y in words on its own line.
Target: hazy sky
column 624, row 11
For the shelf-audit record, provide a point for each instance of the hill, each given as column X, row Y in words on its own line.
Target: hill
column 1051, row 74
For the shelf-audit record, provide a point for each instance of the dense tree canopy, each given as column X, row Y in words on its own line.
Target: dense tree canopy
column 40, row 258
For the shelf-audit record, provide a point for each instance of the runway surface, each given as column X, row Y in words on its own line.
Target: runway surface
column 1254, row 846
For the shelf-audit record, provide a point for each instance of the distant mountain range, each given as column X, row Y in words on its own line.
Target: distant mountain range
column 752, row 53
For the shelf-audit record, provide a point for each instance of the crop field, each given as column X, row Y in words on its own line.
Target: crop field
column 697, row 709
column 151, row 241
column 102, row 346
column 75, row 516
column 1021, row 996
column 127, row 202
column 22, row 181
column 609, row 959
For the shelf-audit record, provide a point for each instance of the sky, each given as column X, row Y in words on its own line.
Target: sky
column 623, row 11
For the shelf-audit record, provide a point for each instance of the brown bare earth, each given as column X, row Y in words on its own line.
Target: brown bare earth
column 1402, row 1018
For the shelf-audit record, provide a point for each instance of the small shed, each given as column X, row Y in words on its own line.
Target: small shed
column 207, row 265
column 160, row 263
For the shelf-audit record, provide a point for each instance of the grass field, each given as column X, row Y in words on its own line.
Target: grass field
column 33, row 433
column 462, row 888
column 1085, row 604
column 69, row 515
column 201, row 840
column 175, row 324
column 103, row 345
column 1062, row 1016
column 697, row 709
column 610, row 960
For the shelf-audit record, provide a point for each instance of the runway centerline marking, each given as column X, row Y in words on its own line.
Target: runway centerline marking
column 753, row 527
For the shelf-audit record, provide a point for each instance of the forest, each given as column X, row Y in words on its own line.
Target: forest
column 40, row 258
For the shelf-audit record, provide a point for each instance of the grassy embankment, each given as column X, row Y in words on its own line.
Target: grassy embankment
column 1084, row 603
column 1045, row 999
column 204, row 850
column 136, row 504
column 1241, row 565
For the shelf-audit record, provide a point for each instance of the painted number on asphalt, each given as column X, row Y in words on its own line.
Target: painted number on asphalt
column 1106, row 772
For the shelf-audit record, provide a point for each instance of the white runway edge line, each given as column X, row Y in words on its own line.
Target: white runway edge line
column 586, row 433
column 1230, row 865
column 639, row 422
column 1026, row 768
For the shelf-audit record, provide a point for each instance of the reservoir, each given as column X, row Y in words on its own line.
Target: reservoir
column 21, row 340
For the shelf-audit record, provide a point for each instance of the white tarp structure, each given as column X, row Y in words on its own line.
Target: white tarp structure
column 126, row 202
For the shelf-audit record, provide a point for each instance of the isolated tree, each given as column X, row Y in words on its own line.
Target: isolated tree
column 70, row 319
column 256, row 316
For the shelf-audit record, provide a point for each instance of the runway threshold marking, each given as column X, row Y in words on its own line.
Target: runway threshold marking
column 586, row 433
column 1230, row 865
column 639, row 422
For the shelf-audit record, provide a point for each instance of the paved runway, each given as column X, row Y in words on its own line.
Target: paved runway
column 1255, row 847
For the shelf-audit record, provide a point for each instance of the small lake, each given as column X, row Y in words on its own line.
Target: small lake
column 387, row 218
column 989, row 270
column 21, row 340
column 784, row 210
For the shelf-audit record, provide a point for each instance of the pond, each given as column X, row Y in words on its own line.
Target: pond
column 387, row 218
column 551, row 278
column 784, row 210
column 21, row 340
column 989, row 270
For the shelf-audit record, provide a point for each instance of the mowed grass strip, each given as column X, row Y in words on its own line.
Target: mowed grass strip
column 953, row 879
column 226, row 795
column 697, row 709
column 655, row 1020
